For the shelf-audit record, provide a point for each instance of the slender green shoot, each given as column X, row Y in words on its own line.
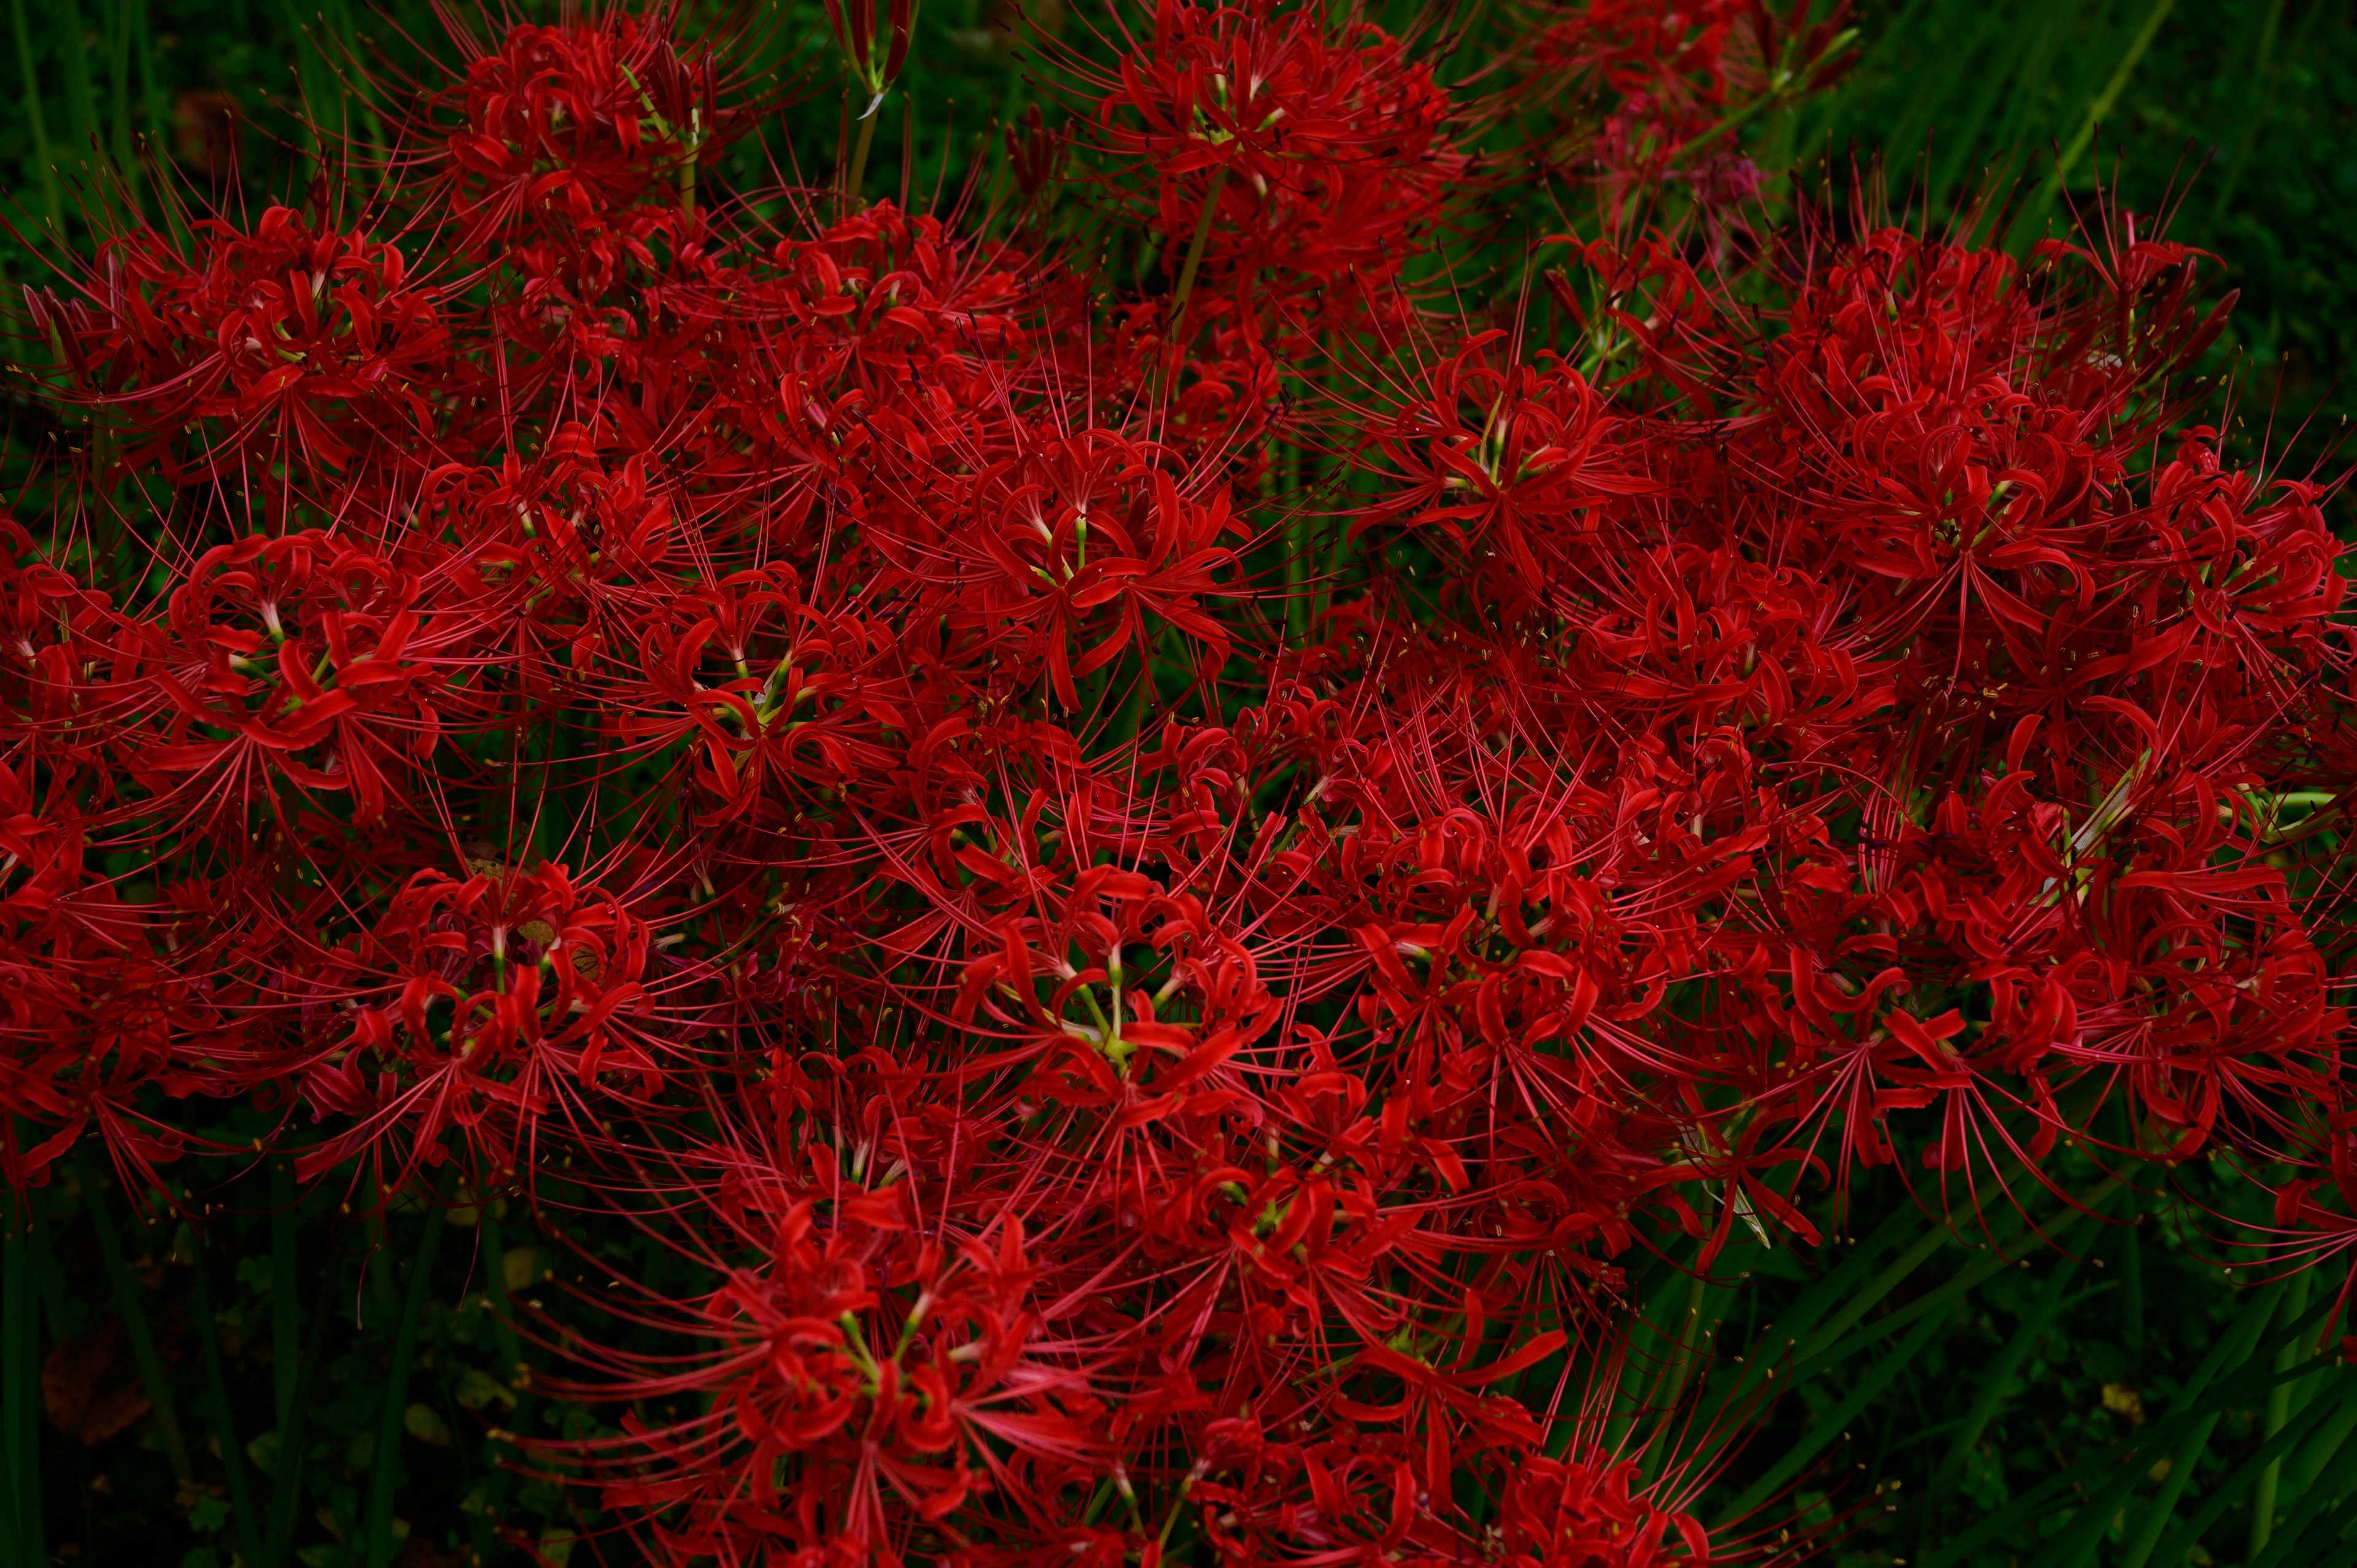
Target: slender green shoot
column 134, row 1320
column 385, row 1477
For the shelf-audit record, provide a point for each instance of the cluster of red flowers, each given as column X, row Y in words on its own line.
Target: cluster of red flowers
column 1158, row 887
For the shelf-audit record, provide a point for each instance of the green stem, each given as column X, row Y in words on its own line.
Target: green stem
column 158, row 114
column 118, row 89
column 19, row 1358
column 306, row 80
column 46, row 1277
column 42, row 152
column 2252, row 119
column 81, row 112
column 2097, row 108
column 858, row 162
column 284, row 1308
column 385, row 1478
column 495, row 1273
column 2131, row 1286
column 134, row 1320
column 241, row 1500
column 289, row 1482
column 378, row 1281
column 517, row 1369
column 1194, row 262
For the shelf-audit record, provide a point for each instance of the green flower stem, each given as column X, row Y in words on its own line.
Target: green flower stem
column 134, row 1319
column 241, row 1500
column 385, row 1477
column 495, row 1279
column 516, row 1370
column 288, row 1493
column 45, row 1276
column 377, row 1277
column 73, row 66
column 859, row 171
column 20, row 1371
column 118, row 93
column 284, row 1308
column 43, row 154
column 1194, row 262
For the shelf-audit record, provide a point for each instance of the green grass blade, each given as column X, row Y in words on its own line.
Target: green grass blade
column 2310, row 1524
column 1994, row 1379
column 2093, row 1475
column 2231, row 1351
column 2328, row 1443
column 2263, row 1505
column 1771, row 1347
column 2253, row 1474
column 1833, row 1425
column 1997, row 1258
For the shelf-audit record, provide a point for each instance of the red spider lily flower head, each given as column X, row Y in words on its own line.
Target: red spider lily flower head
column 571, row 148
column 857, row 1373
column 1670, row 72
column 1084, row 547
column 1522, row 467
column 52, row 631
column 481, row 1007
column 1592, row 1514
column 300, row 659
column 106, row 1005
column 298, row 339
column 1286, row 146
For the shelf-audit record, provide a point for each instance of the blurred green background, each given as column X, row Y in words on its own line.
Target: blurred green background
column 1949, row 1398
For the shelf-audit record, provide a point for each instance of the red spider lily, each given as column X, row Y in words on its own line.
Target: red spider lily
column 1158, row 923
column 298, row 339
column 562, row 134
column 479, row 1007
column 1326, row 147
column 1674, row 72
column 296, row 658
column 1558, row 1514
column 1511, row 461
column 1075, row 546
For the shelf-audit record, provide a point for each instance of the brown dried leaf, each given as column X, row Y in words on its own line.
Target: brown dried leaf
column 77, row 1387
